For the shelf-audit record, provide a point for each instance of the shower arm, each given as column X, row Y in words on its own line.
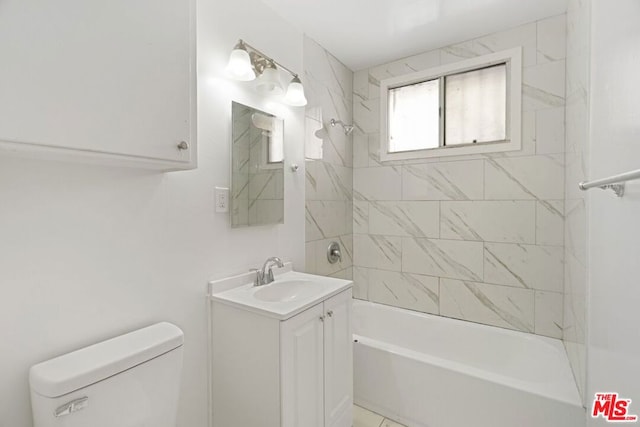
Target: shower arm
column 347, row 128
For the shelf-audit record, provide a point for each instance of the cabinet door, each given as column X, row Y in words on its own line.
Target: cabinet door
column 104, row 79
column 338, row 361
column 302, row 339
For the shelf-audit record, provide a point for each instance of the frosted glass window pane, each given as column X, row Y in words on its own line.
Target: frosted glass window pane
column 476, row 106
column 414, row 122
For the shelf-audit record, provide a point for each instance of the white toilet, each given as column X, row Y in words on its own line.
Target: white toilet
column 129, row 381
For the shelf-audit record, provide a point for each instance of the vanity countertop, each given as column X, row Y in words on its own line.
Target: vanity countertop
column 291, row 292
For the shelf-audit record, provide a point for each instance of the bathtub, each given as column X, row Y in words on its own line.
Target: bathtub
column 430, row 371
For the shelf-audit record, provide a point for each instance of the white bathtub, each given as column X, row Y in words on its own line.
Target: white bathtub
column 431, row 371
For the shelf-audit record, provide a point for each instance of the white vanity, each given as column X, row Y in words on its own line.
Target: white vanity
column 281, row 352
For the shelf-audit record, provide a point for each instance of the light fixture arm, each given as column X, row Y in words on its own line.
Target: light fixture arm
column 268, row 58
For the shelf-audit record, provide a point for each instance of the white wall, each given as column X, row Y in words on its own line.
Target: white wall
column 614, row 227
column 87, row 252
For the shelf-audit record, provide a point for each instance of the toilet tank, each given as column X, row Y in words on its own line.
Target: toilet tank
column 132, row 380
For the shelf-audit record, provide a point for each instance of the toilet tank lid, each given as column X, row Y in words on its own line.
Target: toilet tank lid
column 89, row 365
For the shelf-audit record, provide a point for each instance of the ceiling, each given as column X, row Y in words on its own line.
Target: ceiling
column 362, row 33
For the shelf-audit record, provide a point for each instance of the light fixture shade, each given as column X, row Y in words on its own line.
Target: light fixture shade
column 239, row 66
column 269, row 82
column 295, row 93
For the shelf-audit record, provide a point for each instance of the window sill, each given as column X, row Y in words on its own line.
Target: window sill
column 487, row 147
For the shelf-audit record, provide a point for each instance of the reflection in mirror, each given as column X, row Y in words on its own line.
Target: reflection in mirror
column 257, row 167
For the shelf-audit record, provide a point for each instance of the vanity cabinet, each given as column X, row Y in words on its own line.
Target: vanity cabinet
column 296, row 372
column 106, row 82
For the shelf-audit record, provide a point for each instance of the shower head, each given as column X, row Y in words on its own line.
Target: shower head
column 347, row 128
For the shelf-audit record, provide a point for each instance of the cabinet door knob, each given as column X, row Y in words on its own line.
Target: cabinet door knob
column 322, row 318
column 183, row 145
column 330, row 313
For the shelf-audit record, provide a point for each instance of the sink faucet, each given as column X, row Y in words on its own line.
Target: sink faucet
column 264, row 276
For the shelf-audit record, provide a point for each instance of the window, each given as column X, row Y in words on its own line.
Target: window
column 473, row 106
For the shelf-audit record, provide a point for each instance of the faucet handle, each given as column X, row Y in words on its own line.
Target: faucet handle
column 270, row 275
column 259, row 280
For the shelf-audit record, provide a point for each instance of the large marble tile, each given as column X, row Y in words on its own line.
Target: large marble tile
column 406, row 290
column 550, row 222
column 458, row 52
column 360, row 150
column 550, row 131
column 524, row 36
column 525, row 266
column 404, row 218
column 366, row 115
column 323, row 67
column 374, row 152
column 520, row 178
column 548, row 314
column 346, row 274
column 552, row 39
column 401, row 67
column 575, row 229
column 489, row 304
column 374, row 251
column 360, row 217
column 337, row 148
column 328, row 182
column 492, row 221
column 380, row 183
column 361, row 83
column 443, row 181
column 360, row 283
column 543, row 86
column 443, row 258
column 325, row 219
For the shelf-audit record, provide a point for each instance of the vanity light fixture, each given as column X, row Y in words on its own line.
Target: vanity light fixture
column 239, row 66
column 246, row 63
column 269, row 80
column 295, row 93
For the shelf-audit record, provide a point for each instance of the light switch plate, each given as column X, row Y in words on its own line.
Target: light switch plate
column 222, row 199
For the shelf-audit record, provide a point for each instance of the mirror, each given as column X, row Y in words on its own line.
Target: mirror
column 257, row 167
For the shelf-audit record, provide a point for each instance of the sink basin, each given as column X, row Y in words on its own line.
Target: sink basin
column 291, row 293
column 286, row 290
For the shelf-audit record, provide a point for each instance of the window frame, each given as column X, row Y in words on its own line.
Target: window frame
column 511, row 57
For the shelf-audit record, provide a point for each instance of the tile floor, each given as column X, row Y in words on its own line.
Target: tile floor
column 365, row 418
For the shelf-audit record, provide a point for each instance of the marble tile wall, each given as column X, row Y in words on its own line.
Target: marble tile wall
column 329, row 182
column 575, row 230
column 476, row 237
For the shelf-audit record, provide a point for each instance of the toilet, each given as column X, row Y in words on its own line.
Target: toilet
column 132, row 380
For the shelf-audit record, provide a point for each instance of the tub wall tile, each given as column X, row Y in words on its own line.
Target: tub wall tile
column 490, row 221
column 490, row 227
column 443, row 181
column 548, row 314
column 381, row 183
column 329, row 87
column 400, row 218
column 406, row 290
column 375, row 251
column 524, row 266
column 492, row 305
column 361, row 283
column 442, row 258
